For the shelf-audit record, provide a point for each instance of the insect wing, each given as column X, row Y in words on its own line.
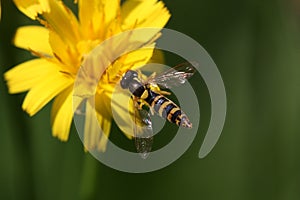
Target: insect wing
column 143, row 132
column 175, row 76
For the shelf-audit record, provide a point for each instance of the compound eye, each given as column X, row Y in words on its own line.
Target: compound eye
column 127, row 78
column 124, row 83
column 134, row 74
column 130, row 74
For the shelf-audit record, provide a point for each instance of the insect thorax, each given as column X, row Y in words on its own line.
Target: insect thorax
column 137, row 88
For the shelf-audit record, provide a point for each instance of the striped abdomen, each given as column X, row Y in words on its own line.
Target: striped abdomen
column 167, row 109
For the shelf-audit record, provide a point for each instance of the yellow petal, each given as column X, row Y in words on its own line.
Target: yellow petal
column 133, row 60
column 147, row 13
column 29, row 74
column 105, row 124
column 111, row 9
column 138, row 58
column 34, row 38
column 96, row 129
column 32, row 8
column 91, row 127
column 61, row 20
column 44, row 91
column 58, row 17
column 157, row 57
column 123, row 111
column 88, row 11
column 96, row 15
column 64, row 52
column 62, row 114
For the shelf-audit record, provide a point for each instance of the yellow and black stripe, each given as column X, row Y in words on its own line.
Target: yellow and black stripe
column 167, row 109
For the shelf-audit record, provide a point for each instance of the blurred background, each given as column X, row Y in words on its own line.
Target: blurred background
column 255, row 44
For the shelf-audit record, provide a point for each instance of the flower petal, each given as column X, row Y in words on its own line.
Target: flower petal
column 96, row 15
column 105, row 124
column 61, row 20
column 65, row 53
column 32, row 8
column 29, row 74
column 96, row 128
column 58, row 17
column 147, row 13
column 34, row 38
column 62, row 114
column 123, row 110
column 44, row 91
column 91, row 127
column 138, row 58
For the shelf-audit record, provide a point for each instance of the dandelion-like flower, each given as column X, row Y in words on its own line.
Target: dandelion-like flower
column 62, row 44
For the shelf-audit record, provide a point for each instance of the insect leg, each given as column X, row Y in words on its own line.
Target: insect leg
column 142, row 102
column 164, row 92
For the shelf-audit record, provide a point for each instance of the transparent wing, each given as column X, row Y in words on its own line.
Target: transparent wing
column 175, row 76
column 143, row 132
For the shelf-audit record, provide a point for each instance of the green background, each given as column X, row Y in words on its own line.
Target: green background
column 255, row 44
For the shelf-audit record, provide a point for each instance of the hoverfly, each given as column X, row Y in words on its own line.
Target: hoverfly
column 147, row 93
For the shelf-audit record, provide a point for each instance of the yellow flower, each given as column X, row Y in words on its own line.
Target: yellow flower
column 61, row 45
